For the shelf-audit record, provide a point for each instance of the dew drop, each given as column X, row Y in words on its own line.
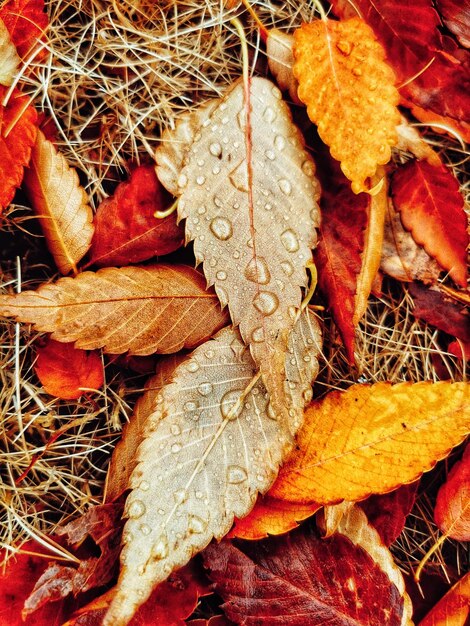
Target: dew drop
column 160, row 548
column 270, row 412
column 199, row 495
column 222, row 295
column 307, row 395
column 209, row 354
column 215, row 149
column 287, row 268
column 236, row 474
column 308, row 168
column 218, row 202
column 269, row 114
column 257, row 336
column 201, row 180
column 190, row 406
column 145, row 530
column 201, row 162
column 266, row 302
column 357, row 71
column 216, row 169
column 289, row 240
column 257, row 271
column 180, row 496
column 176, row 447
column 222, row 228
column 345, row 47
column 201, row 210
column 279, row 142
column 196, row 524
column 228, row 403
column 205, row 389
column 268, row 206
column 182, row 181
column 221, row 275
column 213, row 262
column 192, row 367
column 136, row 509
column 144, row 485
column 270, row 154
column 285, row 186
column 175, row 429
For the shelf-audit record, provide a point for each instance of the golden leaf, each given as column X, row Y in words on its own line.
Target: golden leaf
column 9, row 59
column 372, row 439
column 349, row 92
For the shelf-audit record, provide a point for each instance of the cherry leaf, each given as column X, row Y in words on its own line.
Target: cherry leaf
column 452, row 511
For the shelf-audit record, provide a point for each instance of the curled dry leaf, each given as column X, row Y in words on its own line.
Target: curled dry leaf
column 27, row 23
column 9, row 59
column 452, row 511
column 303, row 580
column 248, row 194
column 60, row 203
column 456, row 16
column 453, row 609
column 432, row 208
column 388, row 436
column 279, row 50
column 212, row 444
column 349, row 92
column 17, row 135
column 158, row 308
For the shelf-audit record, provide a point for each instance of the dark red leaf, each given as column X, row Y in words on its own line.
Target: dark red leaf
column 126, row 229
column 27, row 22
column 452, row 510
column 459, row 349
column 432, row 208
column 456, row 16
column 435, row 309
column 388, row 512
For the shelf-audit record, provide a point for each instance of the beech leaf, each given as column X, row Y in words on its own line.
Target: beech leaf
column 372, row 439
column 453, row 609
column 300, row 579
column 248, row 194
column 60, row 203
column 452, row 511
column 158, row 308
column 64, row 371
column 213, row 442
column 9, row 59
column 126, row 229
column 349, row 92
column 432, row 208
column 27, row 22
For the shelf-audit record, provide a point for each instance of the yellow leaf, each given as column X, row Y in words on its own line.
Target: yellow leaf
column 349, row 92
column 61, row 204
column 9, row 59
column 372, row 439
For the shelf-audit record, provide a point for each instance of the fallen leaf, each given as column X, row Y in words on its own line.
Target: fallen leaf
column 432, row 208
column 349, row 92
column 65, row 371
column 409, row 140
column 9, row 57
column 301, row 579
column 157, row 308
column 453, row 609
column 126, row 229
column 372, row 439
column 456, row 16
column 213, row 442
column 271, row 516
column 341, row 241
column 216, row 620
column 60, row 203
column 27, row 23
column 17, row 135
column 431, row 306
column 251, row 210
column 459, row 349
column 280, row 53
column 452, row 510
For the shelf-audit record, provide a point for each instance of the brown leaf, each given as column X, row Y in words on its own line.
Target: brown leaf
column 158, row 308
column 452, row 511
column 60, row 203
column 453, row 609
column 213, row 442
column 126, row 229
column 349, row 92
column 280, row 53
column 302, row 580
column 9, row 59
column 65, row 371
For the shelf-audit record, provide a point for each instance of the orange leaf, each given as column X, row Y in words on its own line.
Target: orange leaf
column 349, row 92
column 17, row 135
column 452, row 511
column 432, row 208
column 372, row 439
column 65, row 371
column 26, row 22
column 453, row 609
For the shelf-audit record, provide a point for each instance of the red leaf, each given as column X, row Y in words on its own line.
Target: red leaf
column 26, row 22
column 459, row 349
column 387, row 513
column 452, row 511
column 341, row 241
column 456, row 16
column 17, row 136
column 432, row 208
column 300, row 579
column 453, row 609
column 126, row 230
column 432, row 307
column 65, row 370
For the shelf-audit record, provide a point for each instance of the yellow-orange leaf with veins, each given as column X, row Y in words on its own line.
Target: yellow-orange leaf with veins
column 61, row 204
column 349, row 92
column 372, row 439
column 453, row 609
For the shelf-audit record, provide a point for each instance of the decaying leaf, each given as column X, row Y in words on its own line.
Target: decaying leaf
column 60, row 203
column 27, row 22
column 157, row 308
column 432, row 208
column 9, row 59
column 248, row 194
column 212, row 444
column 17, row 135
column 349, row 92
column 300, row 579
column 65, row 371
column 279, row 50
column 372, row 439
column 453, row 609
column 452, row 511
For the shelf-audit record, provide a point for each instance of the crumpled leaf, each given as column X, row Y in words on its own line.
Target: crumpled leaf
column 9, row 59
column 213, row 442
column 248, row 194
column 280, row 53
column 452, row 510
column 126, row 229
column 157, row 308
column 60, row 203
column 456, row 16
column 64, row 371
column 453, row 609
column 432, row 208
column 27, row 22
column 372, row 439
column 17, row 135
column 349, row 92
column 301, row 579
